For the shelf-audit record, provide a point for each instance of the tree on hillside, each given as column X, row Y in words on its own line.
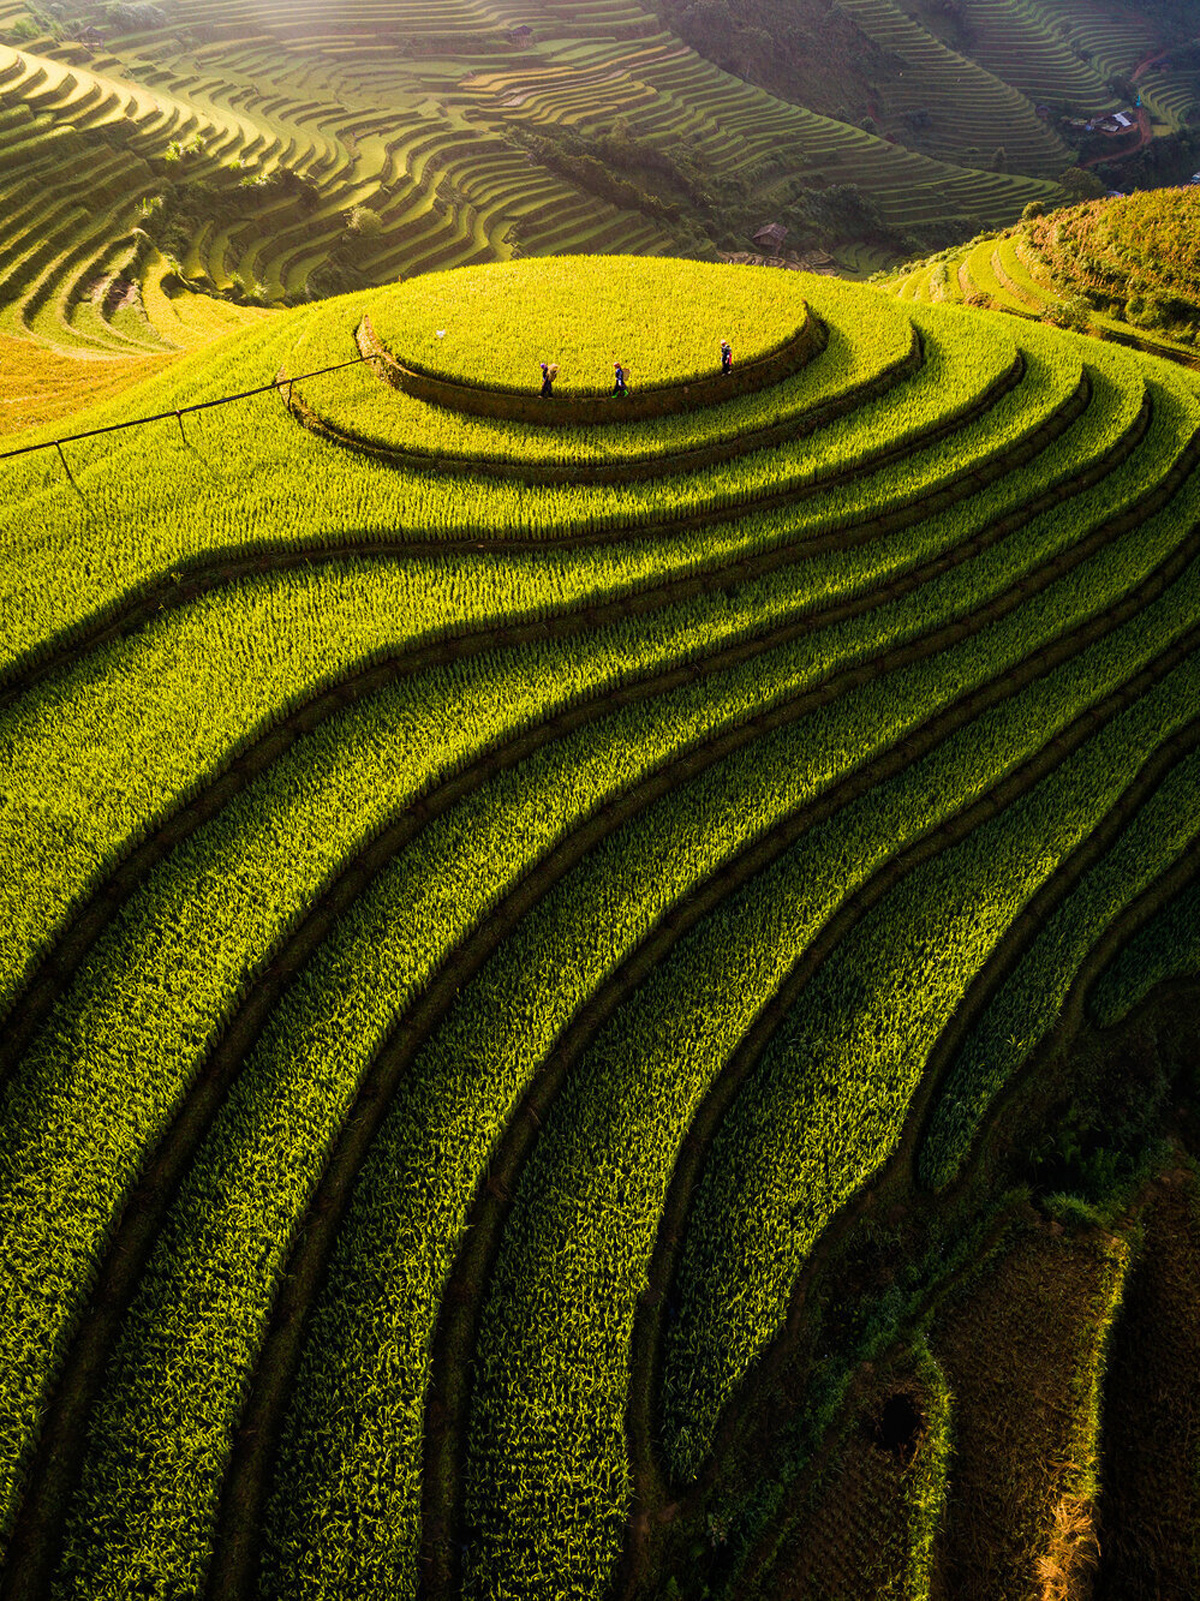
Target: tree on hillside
column 123, row 17
column 1081, row 184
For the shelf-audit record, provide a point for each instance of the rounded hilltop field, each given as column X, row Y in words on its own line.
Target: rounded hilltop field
column 492, row 326
column 559, row 975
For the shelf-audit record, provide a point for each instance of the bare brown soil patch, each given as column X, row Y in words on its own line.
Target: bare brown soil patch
column 855, row 1544
column 1150, row 1497
column 852, row 1540
column 1019, row 1353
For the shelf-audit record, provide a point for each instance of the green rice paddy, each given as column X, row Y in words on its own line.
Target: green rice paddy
column 475, row 923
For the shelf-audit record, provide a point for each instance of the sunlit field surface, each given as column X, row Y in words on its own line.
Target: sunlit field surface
column 484, row 904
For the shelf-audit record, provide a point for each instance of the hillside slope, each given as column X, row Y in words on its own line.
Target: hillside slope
column 495, row 887
column 275, row 153
column 1124, row 269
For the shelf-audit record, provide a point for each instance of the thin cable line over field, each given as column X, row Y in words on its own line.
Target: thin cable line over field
column 178, row 412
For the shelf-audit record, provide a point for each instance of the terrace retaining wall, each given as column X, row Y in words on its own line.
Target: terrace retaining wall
column 661, row 400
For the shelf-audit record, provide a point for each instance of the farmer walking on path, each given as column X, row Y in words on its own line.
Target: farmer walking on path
column 726, row 358
column 619, row 380
column 549, row 374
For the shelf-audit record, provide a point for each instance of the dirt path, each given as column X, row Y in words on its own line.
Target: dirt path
column 1145, row 134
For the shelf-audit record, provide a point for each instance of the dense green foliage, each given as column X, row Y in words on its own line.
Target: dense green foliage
column 406, row 862
column 1168, row 947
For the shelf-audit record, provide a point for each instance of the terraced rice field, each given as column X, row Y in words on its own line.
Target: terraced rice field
column 1108, row 40
column 1124, row 269
column 405, row 117
column 1121, row 41
column 444, row 191
column 964, row 104
column 485, row 899
column 37, row 386
column 401, row 122
column 1018, row 41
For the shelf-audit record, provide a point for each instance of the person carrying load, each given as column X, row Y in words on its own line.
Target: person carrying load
column 726, row 358
column 549, row 374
